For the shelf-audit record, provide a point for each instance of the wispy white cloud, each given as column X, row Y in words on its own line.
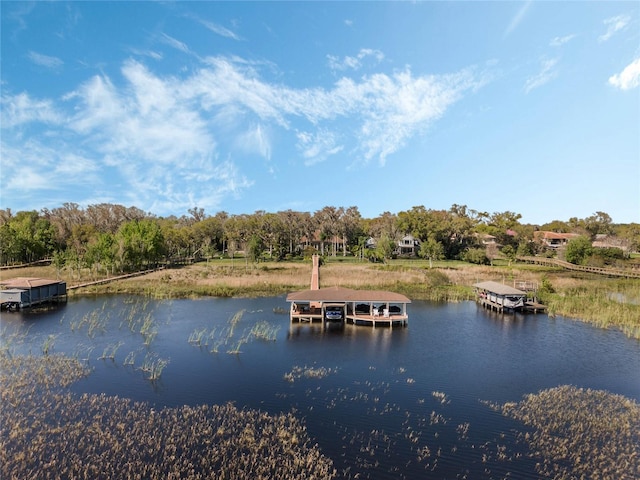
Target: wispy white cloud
column 146, row 53
column 53, row 63
column 518, row 17
column 317, row 146
column 559, row 41
column 546, row 74
column 219, row 30
column 629, row 78
column 255, row 140
column 385, row 110
column 614, row 25
column 18, row 12
column 354, row 63
column 172, row 140
column 44, row 168
column 22, row 109
column 174, row 43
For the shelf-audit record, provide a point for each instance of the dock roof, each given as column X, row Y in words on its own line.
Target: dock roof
column 499, row 288
column 341, row 294
column 27, row 282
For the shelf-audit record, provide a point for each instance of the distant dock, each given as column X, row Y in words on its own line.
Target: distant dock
column 500, row 298
column 26, row 292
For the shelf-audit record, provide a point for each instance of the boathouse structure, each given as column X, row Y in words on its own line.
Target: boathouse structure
column 499, row 297
column 339, row 305
column 25, row 292
column 344, row 305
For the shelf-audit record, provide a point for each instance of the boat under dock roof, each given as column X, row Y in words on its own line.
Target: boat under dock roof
column 358, row 307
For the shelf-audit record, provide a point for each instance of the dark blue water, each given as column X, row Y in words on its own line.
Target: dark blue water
column 382, row 403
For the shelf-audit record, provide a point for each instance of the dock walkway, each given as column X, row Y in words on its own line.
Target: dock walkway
column 315, row 273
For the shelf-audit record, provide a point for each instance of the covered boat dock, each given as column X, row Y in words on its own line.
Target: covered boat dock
column 499, row 297
column 344, row 305
column 24, row 292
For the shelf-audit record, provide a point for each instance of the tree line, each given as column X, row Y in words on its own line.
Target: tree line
column 113, row 238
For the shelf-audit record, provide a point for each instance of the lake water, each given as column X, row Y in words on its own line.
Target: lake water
column 381, row 403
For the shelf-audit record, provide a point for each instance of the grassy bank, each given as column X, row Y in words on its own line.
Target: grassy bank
column 596, row 299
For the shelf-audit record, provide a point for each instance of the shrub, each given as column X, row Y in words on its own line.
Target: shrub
column 578, row 250
column 476, row 255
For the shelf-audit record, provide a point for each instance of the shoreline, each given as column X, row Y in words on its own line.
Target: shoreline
column 602, row 301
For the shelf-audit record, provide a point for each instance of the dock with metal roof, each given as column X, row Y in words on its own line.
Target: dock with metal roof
column 25, row 292
column 499, row 297
column 345, row 305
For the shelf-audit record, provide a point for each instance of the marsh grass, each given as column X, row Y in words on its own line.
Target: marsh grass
column 109, row 352
column 153, row 366
column 130, row 359
column 228, row 335
column 298, row 372
column 605, row 303
column 48, row 432
column 9, row 340
column 196, row 337
column 580, row 433
column 48, row 343
column 263, row 330
column 95, row 322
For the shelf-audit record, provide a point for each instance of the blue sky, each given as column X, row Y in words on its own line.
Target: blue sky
column 530, row 107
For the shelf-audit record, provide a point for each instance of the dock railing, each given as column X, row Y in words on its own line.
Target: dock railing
column 554, row 262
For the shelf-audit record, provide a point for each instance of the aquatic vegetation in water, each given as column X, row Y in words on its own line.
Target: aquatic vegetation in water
column 47, row 345
column 130, row 359
column 216, row 338
column 196, row 337
column 109, row 352
column 9, row 340
column 308, row 372
column 265, row 331
column 580, row 433
column 441, row 397
column 153, row 366
column 47, row 432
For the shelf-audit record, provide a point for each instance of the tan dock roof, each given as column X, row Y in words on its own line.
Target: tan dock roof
column 499, row 288
column 27, row 282
column 341, row 294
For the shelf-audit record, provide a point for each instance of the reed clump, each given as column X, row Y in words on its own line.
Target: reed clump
column 580, row 433
column 298, row 372
column 227, row 336
column 153, row 366
column 48, row 432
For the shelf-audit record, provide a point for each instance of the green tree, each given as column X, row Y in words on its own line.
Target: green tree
column 630, row 232
column 26, row 237
column 525, row 248
column 255, row 247
column 140, row 242
column 385, row 248
column 452, row 228
column 476, row 255
column 102, row 252
column 509, row 252
column 432, row 250
column 578, row 250
column 599, row 222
